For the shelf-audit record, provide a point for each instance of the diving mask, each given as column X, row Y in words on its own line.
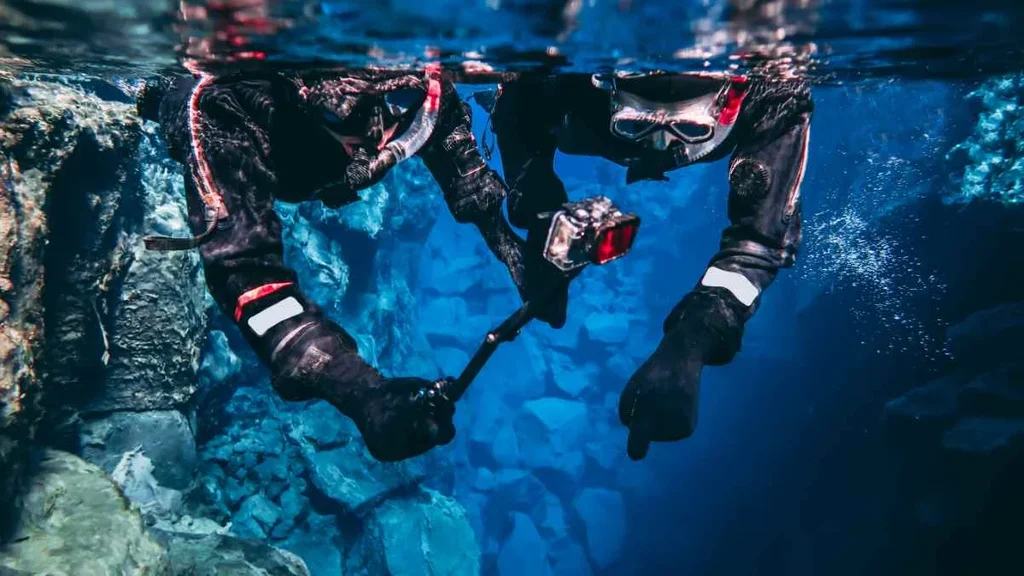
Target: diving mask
column 660, row 125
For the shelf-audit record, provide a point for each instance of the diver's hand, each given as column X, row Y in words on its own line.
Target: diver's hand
column 365, row 170
column 544, row 285
column 659, row 404
column 395, row 424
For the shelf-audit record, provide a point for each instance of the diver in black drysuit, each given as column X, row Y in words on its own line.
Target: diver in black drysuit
column 654, row 124
column 247, row 140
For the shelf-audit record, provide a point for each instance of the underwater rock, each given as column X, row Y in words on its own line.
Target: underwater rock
column 568, row 336
column 934, row 405
column 569, row 559
column 988, row 337
column 324, row 426
column 317, row 540
column 352, row 478
column 570, row 376
column 164, row 436
column 218, row 378
column 622, row 367
column 603, row 515
column 448, row 317
column 222, row 555
column 607, row 450
column 220, row 363
column 123, row 324
column 996, row 393
column 548, row 516
column 550, row 433
column 517, row 371
column 22, row 241
column 75, row 521
column 505, row 447
column 451, row 361
column 134, row 476
column 261, row 510
column 158, row 322
column 524, row 551
column 425, row 533
column 990, row 170
column 986, row 436
column 455, row 274
column 607, row 327
column 482, row 480
column 517, row 490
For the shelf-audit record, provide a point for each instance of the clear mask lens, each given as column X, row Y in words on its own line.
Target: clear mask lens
column 693, row 132
column 633, row 129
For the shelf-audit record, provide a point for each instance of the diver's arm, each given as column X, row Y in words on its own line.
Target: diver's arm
column 765, row 175
column 660, row 401
column 228, row 161
column 222, row 133
column 524, row 117
column 472, row 191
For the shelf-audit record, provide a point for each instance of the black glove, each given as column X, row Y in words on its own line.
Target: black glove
column 315, row 358
column 395, row 423
column 659, row 404
column 365, row 171
column 544, row 285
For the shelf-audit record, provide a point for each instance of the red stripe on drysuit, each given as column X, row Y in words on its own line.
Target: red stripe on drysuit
column 733, row 100
column 433, row 87
column 207, row 189
column 256, row 294
column 794, row 193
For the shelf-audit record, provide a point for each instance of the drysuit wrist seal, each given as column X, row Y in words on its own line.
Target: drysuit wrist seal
column 706, row 321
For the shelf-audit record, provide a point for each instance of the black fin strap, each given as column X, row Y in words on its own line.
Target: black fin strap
column 172, row 244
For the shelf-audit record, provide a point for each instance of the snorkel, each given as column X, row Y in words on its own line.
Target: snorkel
column 367, row 171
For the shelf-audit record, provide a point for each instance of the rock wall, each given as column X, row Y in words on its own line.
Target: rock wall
column 22, row 237
column 958, row 440
column 101, row 344
column 116, row 330
column 988, row 164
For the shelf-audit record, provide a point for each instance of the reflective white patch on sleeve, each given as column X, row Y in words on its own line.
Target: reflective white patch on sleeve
column 743, row 289
column 274, row 315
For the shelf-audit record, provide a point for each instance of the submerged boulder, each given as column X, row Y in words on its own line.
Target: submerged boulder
column 355, row 480
column 223, row 555
column 165, row 436
column 425, row 533
column 524, row 551
column 75, row 521
column 988, row 337
column 603, row 515
column 550, row 435
column 569, row 559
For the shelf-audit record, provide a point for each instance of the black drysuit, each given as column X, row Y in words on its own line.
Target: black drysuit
column 250, row 139
column 535, row 117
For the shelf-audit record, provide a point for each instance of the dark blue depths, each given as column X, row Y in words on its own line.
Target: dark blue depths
column 847, row 437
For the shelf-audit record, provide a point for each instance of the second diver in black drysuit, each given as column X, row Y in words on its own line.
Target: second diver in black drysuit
column 653, row 124
column 249, row 139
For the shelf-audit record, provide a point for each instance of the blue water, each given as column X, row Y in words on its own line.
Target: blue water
column 808, row 459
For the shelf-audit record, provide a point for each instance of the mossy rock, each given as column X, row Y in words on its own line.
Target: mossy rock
column 75, row 521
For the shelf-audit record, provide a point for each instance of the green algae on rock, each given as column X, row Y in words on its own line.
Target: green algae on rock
column 76, row 522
